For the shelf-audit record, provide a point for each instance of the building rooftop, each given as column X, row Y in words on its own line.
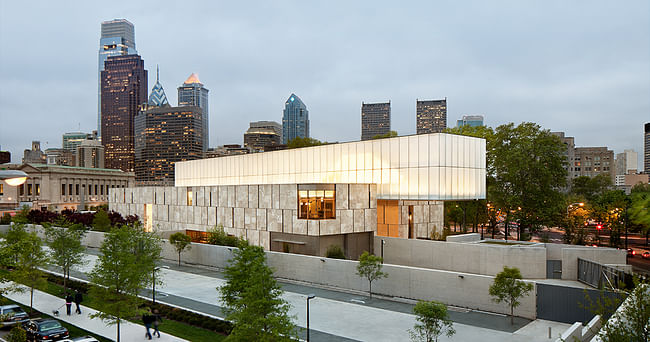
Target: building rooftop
column 194, row 78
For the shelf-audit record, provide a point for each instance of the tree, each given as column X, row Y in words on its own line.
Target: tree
column 390, row 134
column 369, row 267
column 433, row 321
column 101, row 222
column 253, row 299
column 527, row 165
column 31, row 258
column 66, row 250
column 127, row 256
column 299, row 142
column 181, row 242
column 640, row 209
column 509, row 289
column 591, row 187
column 17, row 334
column 630, row 322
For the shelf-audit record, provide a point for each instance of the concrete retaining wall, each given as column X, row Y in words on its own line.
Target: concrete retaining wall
column 471, row 237
column 484, row 259
column 600, row 255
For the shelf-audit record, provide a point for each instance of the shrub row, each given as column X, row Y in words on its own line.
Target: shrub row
column 69, row 217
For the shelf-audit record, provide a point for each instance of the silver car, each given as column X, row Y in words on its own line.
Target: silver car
column 12, row 315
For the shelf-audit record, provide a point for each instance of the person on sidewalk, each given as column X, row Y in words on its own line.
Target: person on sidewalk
column 156, row 321
column 147, row 320
column 78, row 298
column 68, row 303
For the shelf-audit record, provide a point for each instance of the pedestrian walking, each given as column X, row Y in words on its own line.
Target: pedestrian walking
column 68, row 303
column 78, row 298
column 147, row 319
column 156, row 321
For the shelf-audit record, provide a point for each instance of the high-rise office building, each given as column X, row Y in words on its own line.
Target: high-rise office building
column 295, row 119
column 431, row 116
column 193, row 93
column 646, row 148
column 117, row 39
column 375, row 119
column 569, row 154
column 593, row 161
column 470, row 120
column 626, row 162
column 158, row 97
column 124, row 90
column 165, row 135
column 263, row 134
column 71, row 140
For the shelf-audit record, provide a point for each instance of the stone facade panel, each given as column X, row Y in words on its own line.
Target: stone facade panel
column 275, row 196
column 222, row 199
column 359, row 218
column 212, row 216
column 242, row 196
column 231, row 196
column 253, row 196
column 299, row 226
column 359, row 196
column 229, row 219
column 342, row 196
column 287, row 221
column 274, row 223
column 370, row 220
column 313, row 227
column 250, row 218
column 265, row 196
column 347, row 220
column 373, row 196
column 288, row 196
column 261, row 219
column 238, row 218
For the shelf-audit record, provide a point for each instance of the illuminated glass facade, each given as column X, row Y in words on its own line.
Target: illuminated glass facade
column 164, row 136
column 470, row 120
column 117, row 39
column 375, row 119
column 431, row 116
column 424, row 167
column 295, row 119
column 193, row 93
column 124, row 90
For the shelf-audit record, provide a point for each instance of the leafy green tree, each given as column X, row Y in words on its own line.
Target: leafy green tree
column 528, row 170
column 253, row 299
column 370, row 267
column 631, row 321
column 31, row 258
column 11, row 244
column 640, row 209
column 66, row 250
column 21, row 216
column 508, row 288
column 180, row 242
column 127, row 256
column 299, row 142
column 591, row 187
column 390, row 134
column 432, row 321
column 101, row 221
column 17, row 334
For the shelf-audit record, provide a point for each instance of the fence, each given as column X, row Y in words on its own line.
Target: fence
column 600, row 276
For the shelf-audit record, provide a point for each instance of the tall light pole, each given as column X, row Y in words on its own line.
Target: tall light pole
column 383, row 242
column 309, row 297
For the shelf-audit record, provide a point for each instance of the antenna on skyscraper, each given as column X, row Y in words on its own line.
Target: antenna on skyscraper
column 157, row 73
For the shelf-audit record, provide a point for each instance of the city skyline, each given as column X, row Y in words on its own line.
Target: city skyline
column 560, row 76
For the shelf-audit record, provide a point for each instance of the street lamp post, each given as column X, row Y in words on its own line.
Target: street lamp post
column 383, row 242
column 309, row 297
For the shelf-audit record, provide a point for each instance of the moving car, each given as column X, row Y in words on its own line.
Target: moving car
column 645, row 255
column 630, row 253
column 45, row 330
column 14, row 315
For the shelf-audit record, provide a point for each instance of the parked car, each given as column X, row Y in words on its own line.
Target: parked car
column 645, row 255
column 14, row 315
column 45, row 330
column 630, row 253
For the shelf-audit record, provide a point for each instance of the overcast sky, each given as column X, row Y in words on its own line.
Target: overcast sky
column 582, row 67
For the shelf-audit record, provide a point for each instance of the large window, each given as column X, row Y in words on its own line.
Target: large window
column 316, row 202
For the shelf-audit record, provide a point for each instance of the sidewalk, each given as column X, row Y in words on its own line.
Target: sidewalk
column 45, row 303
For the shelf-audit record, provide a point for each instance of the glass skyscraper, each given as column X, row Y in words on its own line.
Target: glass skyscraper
column 295, row 119
column 123, row 92
column 117, row 39
column 193, row 93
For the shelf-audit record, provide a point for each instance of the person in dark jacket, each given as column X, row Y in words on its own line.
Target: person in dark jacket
column 147, row 319
column 78, row 298
column 68, row 303
column 156, row 321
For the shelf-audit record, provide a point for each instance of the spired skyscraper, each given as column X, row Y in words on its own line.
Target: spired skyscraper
column 117, row 39
column 193, row 93
column 123, row 91
column 295, row 119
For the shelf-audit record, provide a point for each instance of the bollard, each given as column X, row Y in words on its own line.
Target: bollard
column 549, row 333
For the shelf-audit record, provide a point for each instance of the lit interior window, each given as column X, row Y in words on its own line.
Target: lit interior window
column 316, row 202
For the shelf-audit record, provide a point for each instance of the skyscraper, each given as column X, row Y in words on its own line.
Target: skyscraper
column 193, row 93
column 375, row 119
column 117, row 39
column 262, row 134
column 431, row 116
column 124, row 90
column 295, row 119
column 165, row 135
column 646, row 148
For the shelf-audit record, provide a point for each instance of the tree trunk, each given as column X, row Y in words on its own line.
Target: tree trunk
column 512, row 316
column 370, row 282
column 179, row 259
column 31, row 301
column 118, row 330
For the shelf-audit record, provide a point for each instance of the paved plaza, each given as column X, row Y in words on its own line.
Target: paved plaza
column 341, row 316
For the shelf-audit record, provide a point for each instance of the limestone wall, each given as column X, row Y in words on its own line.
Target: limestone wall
column 250, row 211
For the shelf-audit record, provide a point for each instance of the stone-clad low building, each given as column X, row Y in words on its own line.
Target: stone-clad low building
column 304, row 200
